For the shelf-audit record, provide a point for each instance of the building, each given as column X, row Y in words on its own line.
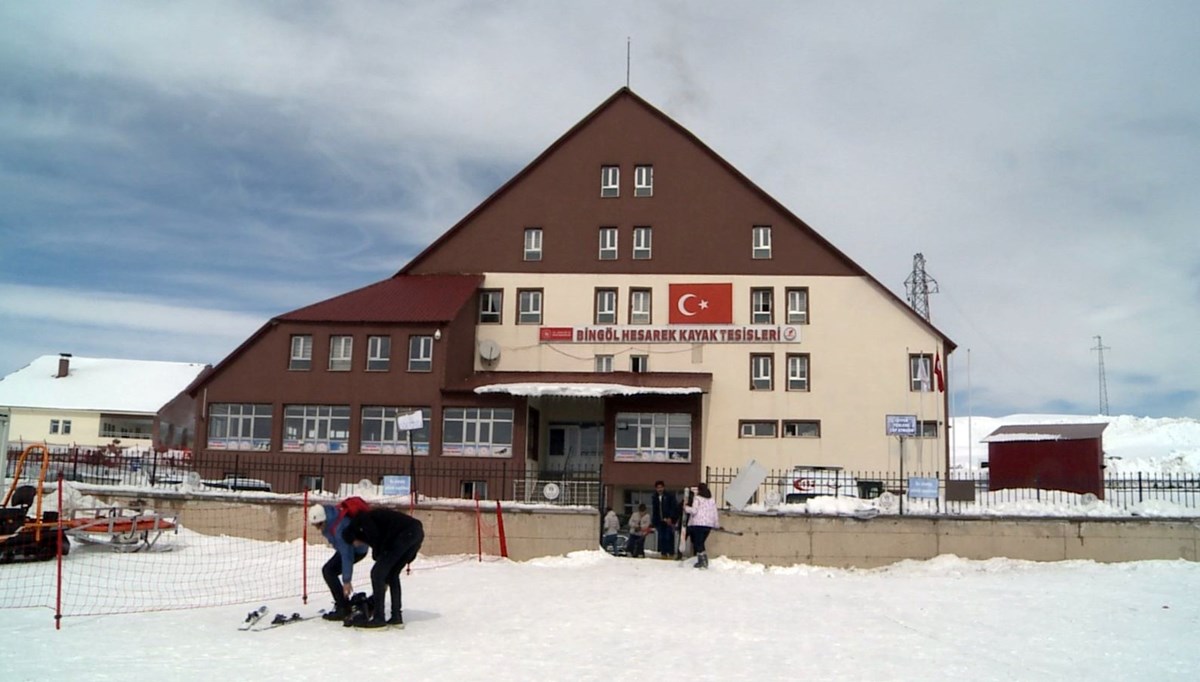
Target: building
column 63, row 400
column 628, row 306
column 1066, row 457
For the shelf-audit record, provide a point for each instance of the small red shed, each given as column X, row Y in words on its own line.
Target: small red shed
column 1066, row 457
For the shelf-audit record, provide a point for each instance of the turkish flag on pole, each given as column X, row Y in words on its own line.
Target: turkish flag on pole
column 937, row 373
column 701, row 303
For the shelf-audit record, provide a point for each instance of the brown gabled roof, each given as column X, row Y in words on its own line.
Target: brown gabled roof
column 403, row 298
column 626, row 93
column 1014, row 432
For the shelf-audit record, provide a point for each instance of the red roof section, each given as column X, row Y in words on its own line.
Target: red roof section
column 403, row 298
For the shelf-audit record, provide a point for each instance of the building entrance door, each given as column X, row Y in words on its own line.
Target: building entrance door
column 574, row 448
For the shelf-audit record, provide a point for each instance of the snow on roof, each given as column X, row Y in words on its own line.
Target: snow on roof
column 1018, row 437
column 133, row 386
column 582, row 390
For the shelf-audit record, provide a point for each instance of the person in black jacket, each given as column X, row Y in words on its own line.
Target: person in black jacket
column 664, row 514
column 394, row 538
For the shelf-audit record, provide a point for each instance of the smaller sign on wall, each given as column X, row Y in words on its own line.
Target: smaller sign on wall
column 901, row 425
column 397, row 485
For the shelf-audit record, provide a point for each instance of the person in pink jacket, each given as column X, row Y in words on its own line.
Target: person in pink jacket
column 702, row 518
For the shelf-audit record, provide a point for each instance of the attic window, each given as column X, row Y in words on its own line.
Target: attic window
column 610, row 181
column 301, row 357
column 643, row 181
column 533, row 243
column 762, row 242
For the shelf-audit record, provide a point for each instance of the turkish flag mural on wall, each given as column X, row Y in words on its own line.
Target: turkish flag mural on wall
column 701, row 303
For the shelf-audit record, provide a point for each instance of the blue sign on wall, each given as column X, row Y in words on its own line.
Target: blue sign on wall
column 922, row 488
column 397, row 485
column 901, row 425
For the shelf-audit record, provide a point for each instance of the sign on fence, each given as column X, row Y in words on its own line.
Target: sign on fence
column 397, row 485
column 922, row 488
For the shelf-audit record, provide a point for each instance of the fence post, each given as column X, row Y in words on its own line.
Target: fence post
column 1140, row 499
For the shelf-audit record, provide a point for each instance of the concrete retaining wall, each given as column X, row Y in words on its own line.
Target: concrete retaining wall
column 768, row 539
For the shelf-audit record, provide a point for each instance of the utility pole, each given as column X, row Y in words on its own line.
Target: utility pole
column 1100, row 348
column 919, row 285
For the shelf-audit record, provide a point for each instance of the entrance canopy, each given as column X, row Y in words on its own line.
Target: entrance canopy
column 587, row 384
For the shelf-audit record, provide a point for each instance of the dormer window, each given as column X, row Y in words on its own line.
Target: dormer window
column 533, row 243
column 643, row 181
column 610, row 181
column 762, row 242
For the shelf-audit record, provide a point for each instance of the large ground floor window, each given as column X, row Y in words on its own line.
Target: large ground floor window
column 653, row 437
column 477, row 432
column 316, row 428
column 233, row 426
column 381, row 436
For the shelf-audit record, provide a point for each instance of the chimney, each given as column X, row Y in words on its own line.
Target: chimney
column 64, row 365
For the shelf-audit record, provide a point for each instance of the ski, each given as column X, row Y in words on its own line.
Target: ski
column 281, row 619
column 253, row 617
column 683, row 521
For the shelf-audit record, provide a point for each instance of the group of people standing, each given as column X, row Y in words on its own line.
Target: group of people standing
column 663, row 518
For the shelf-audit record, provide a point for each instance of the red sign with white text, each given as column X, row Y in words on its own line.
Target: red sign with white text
column 701, row 303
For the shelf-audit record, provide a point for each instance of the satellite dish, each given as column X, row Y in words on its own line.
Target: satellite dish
column 192, row 478
column 886, row 501
column 773, row 499
column 551, row 491
column 489, row 350
column 1090, row 498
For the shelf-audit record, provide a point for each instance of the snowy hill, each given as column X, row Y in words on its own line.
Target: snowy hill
column 1131, row 444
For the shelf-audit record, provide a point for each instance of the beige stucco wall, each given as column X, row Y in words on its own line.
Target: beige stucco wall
column 30, row 425
column 859, row 341
column 774, row 540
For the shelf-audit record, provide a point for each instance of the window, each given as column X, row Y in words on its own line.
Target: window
column 641, row 243
column 800, row 428
column 66, row 427
column 379, row 353
column 797, row 306
column 608, row 243
column 474, row 490
column 533, row 243
column 420, row 353
column 653, row 437
column 797, row 372
column 920, row 372
column 529, row 306
column 604, row 363
column 606, row 306
column 233, row 426
column 53, row 426
column 341, row 349
column 610, row 181
column 758, row 428
column 927, row 429
column 639, row 363
column 380, row 435
column 477, row 432
column 761, row 306
column 126, row 426
column 301, row 358
column 639, row 306
column 316, row 428
column 761, row 370
column 643, row 181
column 491, row 302
column 761, row 249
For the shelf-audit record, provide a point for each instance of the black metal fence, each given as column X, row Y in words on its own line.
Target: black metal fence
column 1134, row 494
column 232, row 471
column 502, row 479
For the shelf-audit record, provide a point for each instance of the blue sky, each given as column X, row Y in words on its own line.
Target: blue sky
column 172, row 175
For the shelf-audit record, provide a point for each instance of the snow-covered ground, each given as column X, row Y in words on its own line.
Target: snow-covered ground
column 591, row 616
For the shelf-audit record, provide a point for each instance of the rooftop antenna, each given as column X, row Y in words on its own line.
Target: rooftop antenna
column 1100, row 348
column 627, row 42
column 919, row 285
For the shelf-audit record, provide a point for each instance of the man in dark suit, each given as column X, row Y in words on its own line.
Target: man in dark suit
column 664, row 515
